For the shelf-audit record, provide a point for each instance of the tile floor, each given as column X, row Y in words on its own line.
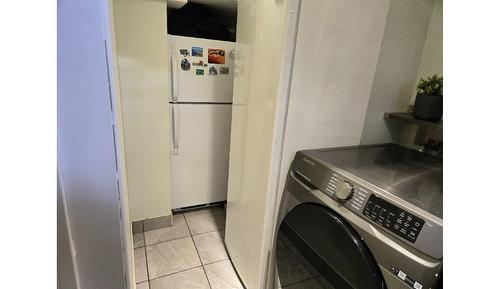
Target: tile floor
column 189, row 255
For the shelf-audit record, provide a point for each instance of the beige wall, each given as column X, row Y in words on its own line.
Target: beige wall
column 432, row 55
column 143, row 62
column 330, row 93
column 405, row 34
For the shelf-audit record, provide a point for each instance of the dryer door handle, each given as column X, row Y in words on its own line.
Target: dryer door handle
column 305, row 184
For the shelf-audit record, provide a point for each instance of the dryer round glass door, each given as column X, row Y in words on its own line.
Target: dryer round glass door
column 317, row 248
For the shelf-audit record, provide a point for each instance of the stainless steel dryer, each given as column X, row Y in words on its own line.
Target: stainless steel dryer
column 361, row 217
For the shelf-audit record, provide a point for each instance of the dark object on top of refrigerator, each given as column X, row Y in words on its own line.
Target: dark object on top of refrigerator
column 196, row 20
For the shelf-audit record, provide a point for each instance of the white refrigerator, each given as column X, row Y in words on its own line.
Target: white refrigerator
column 201, row 101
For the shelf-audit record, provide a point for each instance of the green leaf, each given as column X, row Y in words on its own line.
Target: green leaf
column 432, row 85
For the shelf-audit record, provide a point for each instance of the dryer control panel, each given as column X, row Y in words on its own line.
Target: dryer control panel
column 372, row 203
column 393, row 218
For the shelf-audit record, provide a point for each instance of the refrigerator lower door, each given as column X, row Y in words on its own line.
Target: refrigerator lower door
column 200, row 153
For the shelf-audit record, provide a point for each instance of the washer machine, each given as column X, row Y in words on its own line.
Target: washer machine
column 365, row 217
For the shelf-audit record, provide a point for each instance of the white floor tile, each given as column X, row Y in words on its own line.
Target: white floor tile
column 211, row 247
column 221, row 275
column 206, row 220
column 143, row 285
column 141, row 273
column 178, row 230
column 190, row 279
column 171, row 257
column 138, row 240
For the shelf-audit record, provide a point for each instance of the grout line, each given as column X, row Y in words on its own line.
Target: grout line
column 167, row 241
column 218, row 229
column 198, row 253
column 178, row 238
column 187, row 224
column 190, row 234
column 196, row 248
column 143, row 240
column 173, row 273
column 184, row 217
column 211, row 231
column 201, row 264
column 204, row 271
column 226, row 259
column 146, row 257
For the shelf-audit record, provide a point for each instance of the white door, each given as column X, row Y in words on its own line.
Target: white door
column 200, row 160
column 329, row 32
column 194, row 82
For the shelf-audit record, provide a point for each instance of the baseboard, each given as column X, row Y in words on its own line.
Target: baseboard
column 152, row 224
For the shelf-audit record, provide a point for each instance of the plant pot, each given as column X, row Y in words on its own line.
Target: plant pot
column 428, row 107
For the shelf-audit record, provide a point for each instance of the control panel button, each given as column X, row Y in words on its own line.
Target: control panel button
column 402, row 275
column 384, row 214
column 344, row 190
column 393, row 218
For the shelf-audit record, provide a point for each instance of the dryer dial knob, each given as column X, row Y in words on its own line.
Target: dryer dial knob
column 344, row 190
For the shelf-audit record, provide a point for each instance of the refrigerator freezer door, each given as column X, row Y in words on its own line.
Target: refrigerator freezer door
column 193, row 81
column 200, row 167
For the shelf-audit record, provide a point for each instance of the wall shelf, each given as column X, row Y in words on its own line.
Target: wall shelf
column 407, row 117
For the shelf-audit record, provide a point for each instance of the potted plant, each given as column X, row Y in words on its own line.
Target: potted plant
column 429, row 100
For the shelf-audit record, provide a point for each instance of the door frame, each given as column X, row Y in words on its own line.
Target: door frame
column 117, row 116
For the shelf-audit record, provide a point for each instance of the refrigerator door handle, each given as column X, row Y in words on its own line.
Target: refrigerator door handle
column 175, row 129
column 175, row 84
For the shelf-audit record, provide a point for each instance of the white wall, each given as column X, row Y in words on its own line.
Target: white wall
column 398, row 63
column 143, row 64
column 86, row 152
column 338, row 44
